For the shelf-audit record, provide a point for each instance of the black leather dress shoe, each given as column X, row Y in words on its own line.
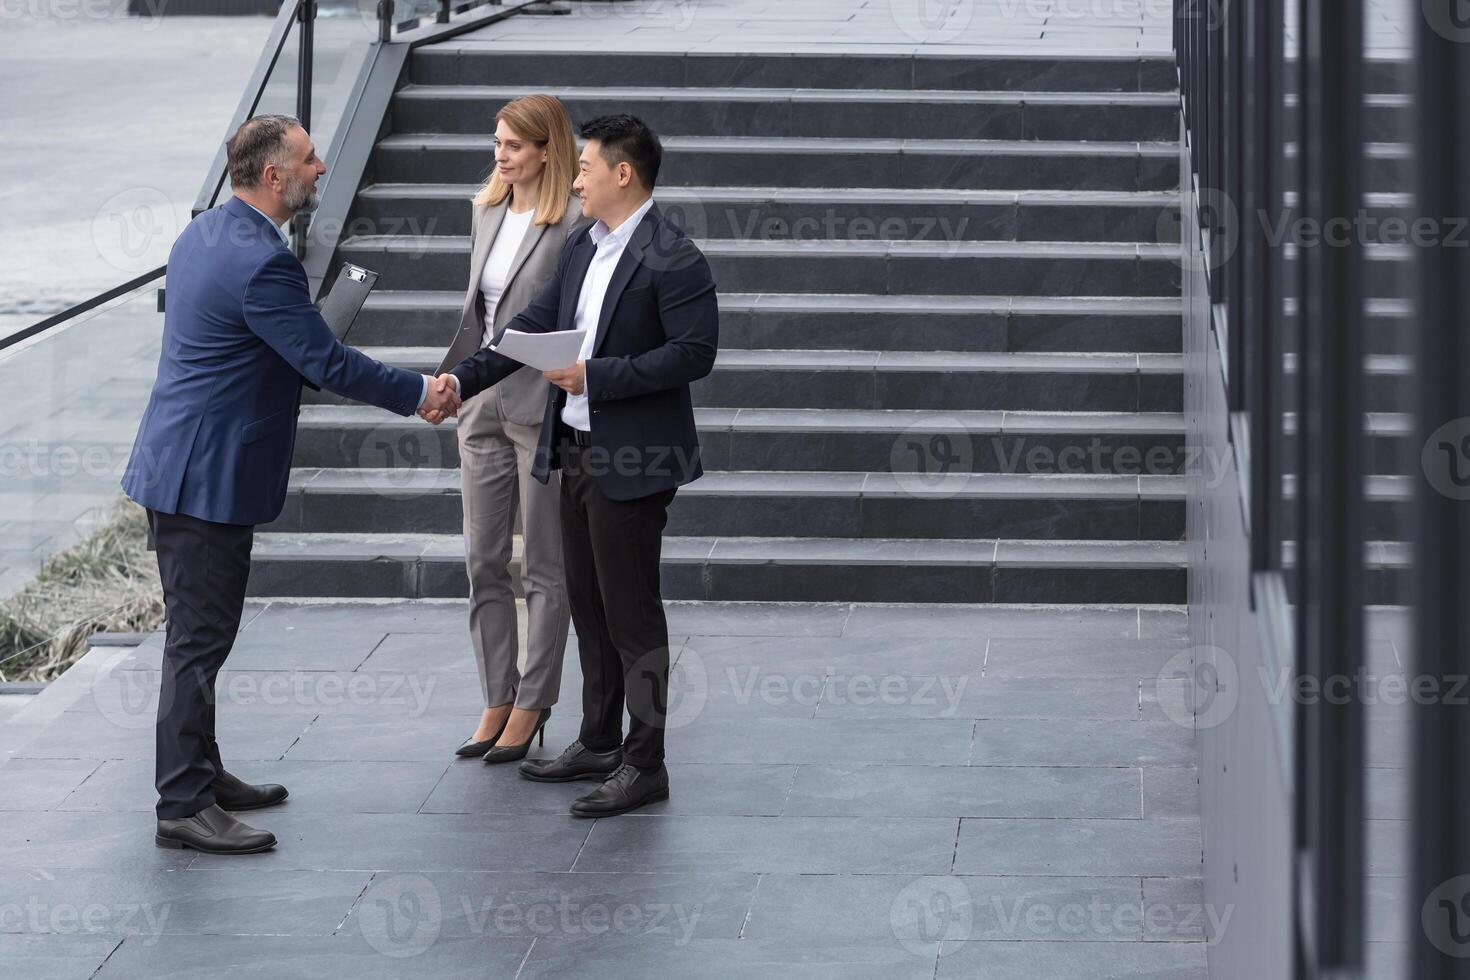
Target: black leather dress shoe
column 213, row 831
column 576, row 762
column 233, row 793
column 627, row 789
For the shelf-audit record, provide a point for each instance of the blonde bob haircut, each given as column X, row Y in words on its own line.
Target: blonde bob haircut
column 542, row 120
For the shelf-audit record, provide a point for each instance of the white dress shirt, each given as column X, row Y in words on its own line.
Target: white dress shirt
column 508, row 238
column 281, row 230
column 610, row 244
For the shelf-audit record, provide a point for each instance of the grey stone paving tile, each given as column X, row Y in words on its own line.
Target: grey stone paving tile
column 842, row 741
column 1079, row 658
column 904, row 695
column 564, row 906
column 756, row 618
column 381, row 693
column 1387, row 899
column 1176, row 911
column 1120, row 622
column 1163, row 623
column 1063, row 742
column 965, row 791
column 815, row 845
column 315, row 648
column 450, row 652
column 1075, row 961
column 362, row 736
column 730, row 959
column 105, row 840
column 1386, row 961
column 412, row 842
column 694, row 788
column 849, row 655
column 1164, row 846
column 315, row 787
column 41, row 784
column 130, row 735
column 390, row 617
column 54, row 957
column 148, row 904
column 1171, row 791
column 993, row 908
column 1388, row 847
column 413, row 953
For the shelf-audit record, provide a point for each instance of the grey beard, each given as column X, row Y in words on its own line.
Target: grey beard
column 298, row 199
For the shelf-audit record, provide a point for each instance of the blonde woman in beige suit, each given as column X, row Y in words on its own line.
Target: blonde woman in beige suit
column 522, row 218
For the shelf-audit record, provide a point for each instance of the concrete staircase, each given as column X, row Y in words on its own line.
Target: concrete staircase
column 950, row 328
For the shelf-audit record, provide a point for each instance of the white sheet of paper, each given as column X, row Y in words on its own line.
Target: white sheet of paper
column 542, row 351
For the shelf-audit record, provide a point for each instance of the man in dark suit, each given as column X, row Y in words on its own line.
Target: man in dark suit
column 213, row 452
column 619, row 424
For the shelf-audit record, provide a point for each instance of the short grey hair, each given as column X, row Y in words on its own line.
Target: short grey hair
column 259, row 140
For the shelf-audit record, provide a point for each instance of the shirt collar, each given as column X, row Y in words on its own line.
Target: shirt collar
column 613, row 236
column 280, row 229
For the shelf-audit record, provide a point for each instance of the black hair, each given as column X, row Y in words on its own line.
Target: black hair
column 627, row 138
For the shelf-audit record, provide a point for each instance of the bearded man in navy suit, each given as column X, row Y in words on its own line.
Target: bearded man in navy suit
column 213, row 452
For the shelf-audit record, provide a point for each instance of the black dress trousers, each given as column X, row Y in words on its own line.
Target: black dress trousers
column 611, row 550
column 204, row 567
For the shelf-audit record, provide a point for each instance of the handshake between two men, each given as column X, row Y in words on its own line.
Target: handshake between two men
column 443, row 401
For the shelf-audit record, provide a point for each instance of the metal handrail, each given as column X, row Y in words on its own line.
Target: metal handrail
column 410, row 33
column 84, row 306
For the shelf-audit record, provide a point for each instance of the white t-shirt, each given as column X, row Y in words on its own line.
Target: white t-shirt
column 508, row 238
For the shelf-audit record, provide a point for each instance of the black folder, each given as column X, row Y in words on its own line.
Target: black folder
column 343, row 302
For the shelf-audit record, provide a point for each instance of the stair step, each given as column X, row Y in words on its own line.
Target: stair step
column 757, row 569
column 1129, row 444
column 476, row 63
column 938, row 380
column 833, row 504
column 767, row 112
column 804, row 214
column 892, row 267
column 843, row 321
column 406, row 157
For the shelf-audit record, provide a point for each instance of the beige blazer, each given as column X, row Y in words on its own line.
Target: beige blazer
column 521, row 397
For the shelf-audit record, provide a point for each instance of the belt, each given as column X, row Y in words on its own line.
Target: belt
column 579, row 436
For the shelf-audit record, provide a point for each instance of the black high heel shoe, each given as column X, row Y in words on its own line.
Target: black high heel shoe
column 472, row 747
column 510, row 753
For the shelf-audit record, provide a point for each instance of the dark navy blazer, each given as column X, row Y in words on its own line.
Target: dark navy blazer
column 657, row 332
column 240, row 333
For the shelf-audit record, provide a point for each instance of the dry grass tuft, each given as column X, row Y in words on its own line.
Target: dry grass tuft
column 106, row 582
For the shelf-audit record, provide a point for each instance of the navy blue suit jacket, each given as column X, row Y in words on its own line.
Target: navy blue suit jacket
column 657, row 332
column 240, row 333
